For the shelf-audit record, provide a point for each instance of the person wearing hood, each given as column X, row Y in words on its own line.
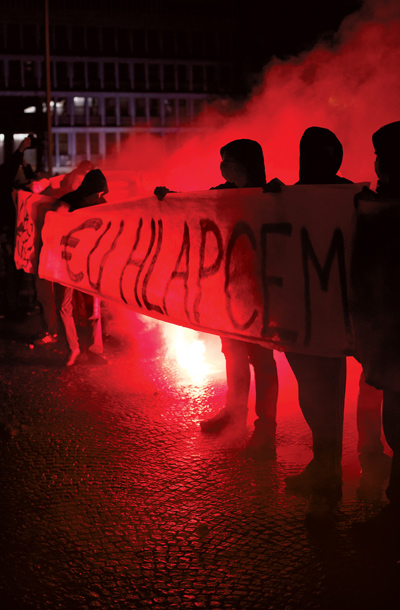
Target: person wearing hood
column 91, row 192
column 321, row 380
column 242, row 166
column 376, row 304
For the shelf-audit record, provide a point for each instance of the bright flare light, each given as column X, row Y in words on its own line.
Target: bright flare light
column 188, row 351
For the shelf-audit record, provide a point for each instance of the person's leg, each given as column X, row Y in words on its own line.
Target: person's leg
column 322, row 384
column 238, row 383
column 262, row 441
column 391, row 428
column 96, row 336
column 369, row 419
column 63, row 299
column 45, row 296
column 266, row 382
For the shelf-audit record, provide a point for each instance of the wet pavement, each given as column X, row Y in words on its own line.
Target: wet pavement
column 112, row 498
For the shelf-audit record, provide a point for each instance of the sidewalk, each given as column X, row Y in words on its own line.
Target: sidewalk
column 112, row 498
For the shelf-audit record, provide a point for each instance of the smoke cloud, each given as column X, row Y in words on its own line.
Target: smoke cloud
column 350, row 86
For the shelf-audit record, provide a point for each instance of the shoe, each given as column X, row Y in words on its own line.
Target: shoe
column 375, row 464
column 46, row 339
column 381, row 533
column 261, row 445
column 314, row 479
column 94, row 358
column 73, row 357
column 221, row 420
column 321, row 509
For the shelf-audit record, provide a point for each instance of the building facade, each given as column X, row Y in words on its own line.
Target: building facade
column 116, row 68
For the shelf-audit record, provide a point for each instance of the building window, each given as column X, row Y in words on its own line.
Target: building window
column 14, row 74
column 62, row 112
column 110, row 110
column 140, row 77
column 140, row 110
column 63, row 144
column 169, row 112
column 125, row 111
column 93, row 75
column 111, row 143
column 62, row 77
column 153, row 43
column 78, row 39
column 79, row 74
column 183, row 111
column 169, row 77
column 30, row 38
column 30, row 76
column 60, row 39
column 124, row 42
column 109, row 41
column 154, row 77
column 138, row 43
column 124, row 77
column 183, row 78
column 79, row 111
column 198, row 78
column 154, row 109
column 13, row 38
column 94, row 144
column 81, row 144
column 93, row 41
column 94, row 110
column 109, row 75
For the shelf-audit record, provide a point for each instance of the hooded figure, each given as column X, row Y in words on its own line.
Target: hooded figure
column 247, row 155
column 90, row 192
column 321, row 155
column 386, row 142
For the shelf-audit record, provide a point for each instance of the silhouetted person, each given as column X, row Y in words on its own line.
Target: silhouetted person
column 91, row 192
column 376, row 307
column 8, row 174
column 242, row 166
column 321, row 380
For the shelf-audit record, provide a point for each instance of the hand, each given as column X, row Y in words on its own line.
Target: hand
column 26, row 143
column 161, row 191
column 273, row 186
column 364, row 195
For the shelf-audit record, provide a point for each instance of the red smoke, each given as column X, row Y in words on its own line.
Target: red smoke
column 351, row 87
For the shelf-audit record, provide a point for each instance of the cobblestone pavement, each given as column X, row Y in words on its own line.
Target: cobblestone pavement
column 112, row 498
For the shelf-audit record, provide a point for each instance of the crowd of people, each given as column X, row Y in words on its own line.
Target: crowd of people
column 321, row 380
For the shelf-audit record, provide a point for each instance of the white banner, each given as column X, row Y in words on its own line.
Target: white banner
column 271, row 268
